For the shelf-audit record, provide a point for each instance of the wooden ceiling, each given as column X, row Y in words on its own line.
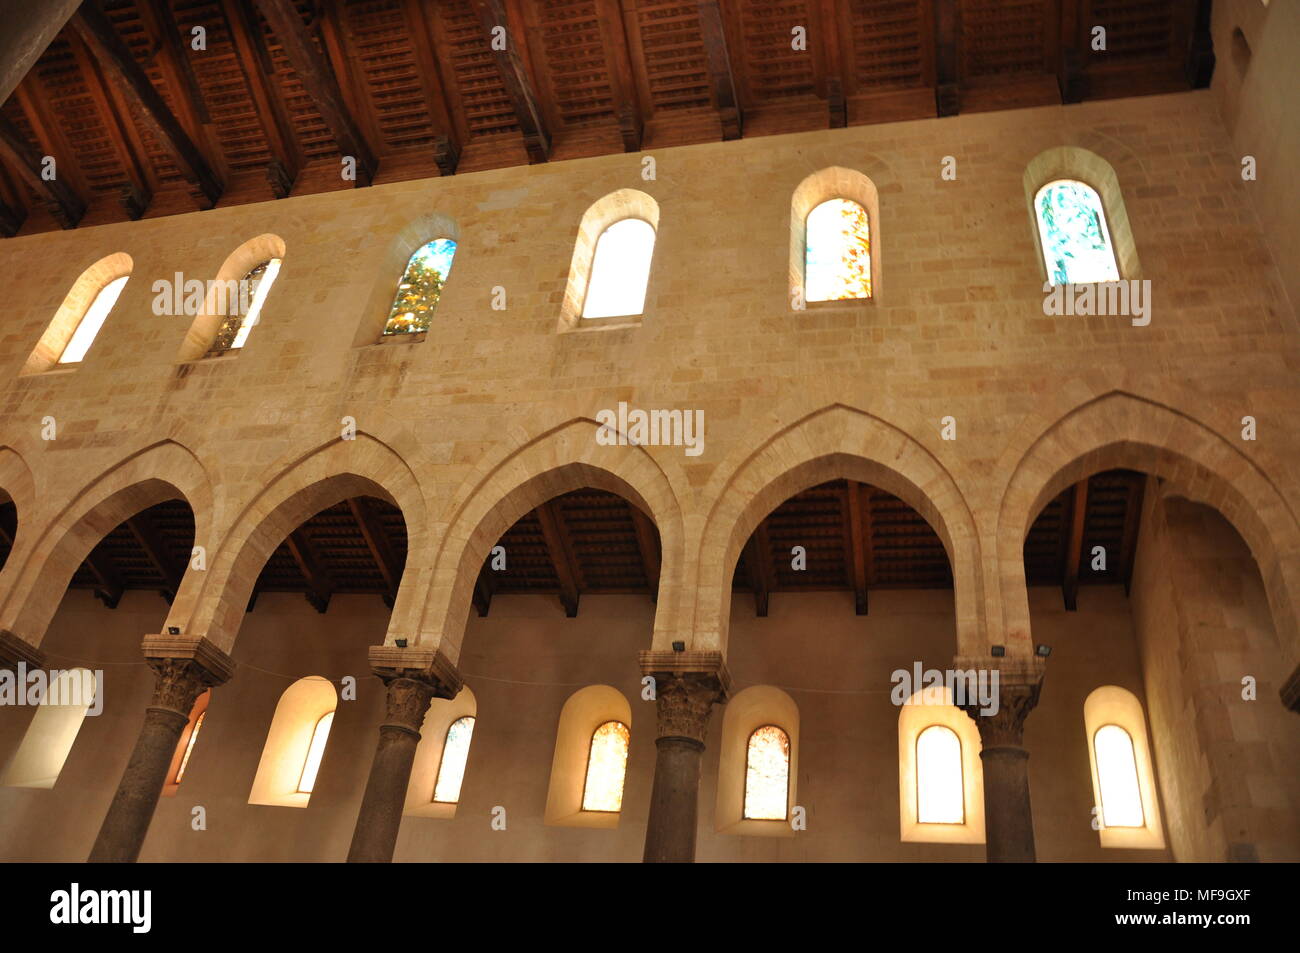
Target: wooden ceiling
column 143, row 123
column 855, row 538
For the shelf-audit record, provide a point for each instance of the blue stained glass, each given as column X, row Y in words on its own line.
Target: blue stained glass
column 1076, row 242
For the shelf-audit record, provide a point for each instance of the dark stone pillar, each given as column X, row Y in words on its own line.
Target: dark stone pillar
column 184, row 668
column 1008, row 820
column 686, row 687
column 413, row 678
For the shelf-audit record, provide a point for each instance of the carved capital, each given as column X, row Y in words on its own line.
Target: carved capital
column 14, row 649
column 687, row 686
column 1291, row 691
column 184, row 668
column 1019, row 682
column 414, row 677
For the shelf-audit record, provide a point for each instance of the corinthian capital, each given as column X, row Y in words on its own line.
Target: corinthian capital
column 184, row 668
column 1019, row 682
column 687, row 686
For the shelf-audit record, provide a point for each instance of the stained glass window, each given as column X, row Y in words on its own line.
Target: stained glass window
column 1076, row 241
column 320, row 734
column 421, row 287
column 245, row 309
column 606, row 767
column 940, row 798
column 837, row 263
column 451, row 772
column 1121, row 798
column 89, row 326
column 189, row 746
column 620, row 270
column 767, row 774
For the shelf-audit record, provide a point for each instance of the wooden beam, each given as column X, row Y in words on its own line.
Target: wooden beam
column 66, row 206
column 319, row 585
column 108, row 585
column 146, row 534
column 537, row 139
column 148, row 106
column 1074, row 552
column 560, row 548
column 622, row 82
column 1200, row 52
column 448, row 142
column 858, row 511
column 758, row 560
column 11, row 219
column 321, row 84
column 947, row 27
column 1132, row 523
column 483, row 591
column 647, row 543
column 826, row 23
column 255, row 61
column 724, row 83
column 380, row 546
column 1070, row 77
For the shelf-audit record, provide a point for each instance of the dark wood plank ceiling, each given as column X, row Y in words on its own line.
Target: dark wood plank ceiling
column 141, row 123
column 855, row 538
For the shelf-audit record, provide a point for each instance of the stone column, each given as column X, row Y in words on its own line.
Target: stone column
column 184, row 668
column 687, row 685
column 1008, row 820
column 414, row 677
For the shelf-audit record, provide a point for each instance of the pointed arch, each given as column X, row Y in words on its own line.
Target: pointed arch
column 92, row 287
column 832, row 443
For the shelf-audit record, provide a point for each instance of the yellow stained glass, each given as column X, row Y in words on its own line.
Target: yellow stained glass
column 606, row 768
column 767, row 775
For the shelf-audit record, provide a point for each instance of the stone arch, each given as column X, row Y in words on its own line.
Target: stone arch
column 165, row 470
column 604, row 212
column 204, row 327
column 16, row 483
column 388, row 270
column 75, row 304
column 834, row 182
column 832, row 443
column 499, row 493
column 1119, row 429
column 1084, row 165
column 289, row 495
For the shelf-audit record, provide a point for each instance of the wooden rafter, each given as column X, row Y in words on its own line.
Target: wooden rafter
column 758, row 561
column 560, row 547
column 518, row 84
column 320, row 82
column 381, row 548
column 1200, row 53
column 947, row 27
column 94, row 27
column 448, row 141
column 108, row 584
column 622, row 81
column 720, row 73
column 319, row 584
column 255, row 61
column 65, row 203
column 647, row 544
column 1074, row 544
column 146, row 534
column 832, row 76
column 483, row 592
column 1071, row 54
column 858, row 512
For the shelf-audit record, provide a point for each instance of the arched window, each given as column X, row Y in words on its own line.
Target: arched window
column 93, row 320
column 939, row 786
column 620, row 270
column 767, row 775
column 53, row 730
column 606, row 768
column 421, row 287
column 244, row 309
column 189, row 748
column 837, row 265
column 455, row 750
column 1076, row 242
column 1123, row 780
column 1117, row 776
column 315, row 751
column 185, row 744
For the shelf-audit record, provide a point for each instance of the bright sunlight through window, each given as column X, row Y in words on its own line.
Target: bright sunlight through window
column 1121, row 798
column 938, row 777
column 454, row 753
column 93, row 321
column 620, row 270
column 318, row 738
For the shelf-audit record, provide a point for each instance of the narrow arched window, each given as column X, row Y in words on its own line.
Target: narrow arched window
column 421, row 287
column 767, row 774
column 315, row 751
column 939, row 787
column 620, row 270
column 451, row 771
column 92, row 321
column 243, row 306
column 1117, row 776
column 1077, row 247
column 606, row 768
column 837, row 264
column 63, row 708
column 189, row 747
